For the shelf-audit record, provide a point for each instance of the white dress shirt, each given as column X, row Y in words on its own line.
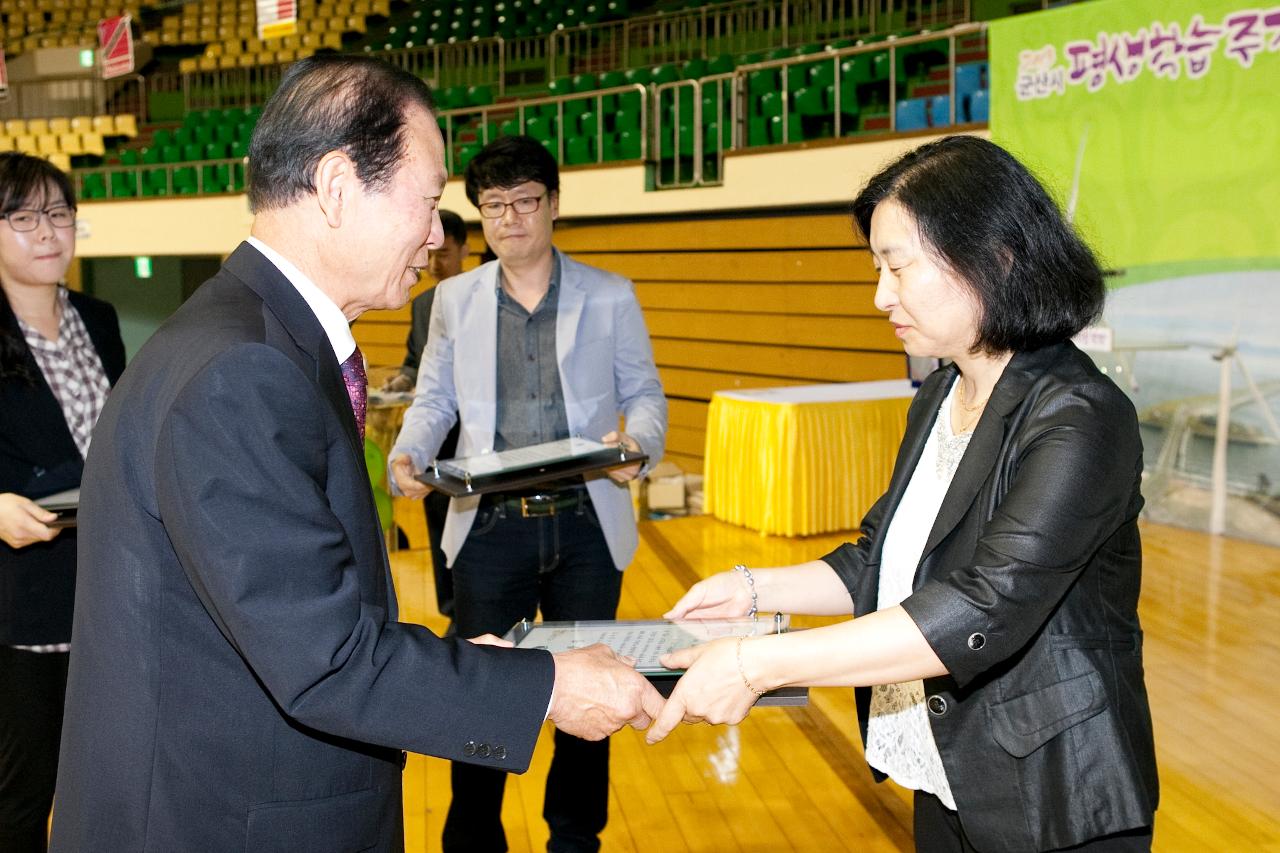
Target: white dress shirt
column 326, row 310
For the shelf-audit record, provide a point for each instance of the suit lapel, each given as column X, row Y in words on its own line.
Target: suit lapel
column 475, row 358
column 568, row 313
column 297, row 318
column 979, row 460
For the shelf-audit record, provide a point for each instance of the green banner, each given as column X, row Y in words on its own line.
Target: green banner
column 1159, row 118
column 1157, row 124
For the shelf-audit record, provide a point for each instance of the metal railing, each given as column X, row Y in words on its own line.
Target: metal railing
column 695, row 159
column 140, row 176
column 456, row 121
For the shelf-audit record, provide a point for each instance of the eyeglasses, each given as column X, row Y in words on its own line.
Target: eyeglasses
column 29, row 220
column 498, row 209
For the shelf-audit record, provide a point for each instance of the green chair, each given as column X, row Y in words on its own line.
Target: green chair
column 560, row 86
column 612, row 79
column 722, row 64
column 510, row 127
column 162, row 137
column 130, row 157
column 811, row 101
column 184, row 181
column 94, row 186
column 692, row 69
column 676, row 141
column 795, row 132
column 171, row 154
column 124, row 184
column 215, row 151
column 193, row 151
column 628, row 145
column 664, row 74
column 479, row 96
column 585, row 82
column 183, row 136
column 579, row 150
column 217, row 179
column 643, row 76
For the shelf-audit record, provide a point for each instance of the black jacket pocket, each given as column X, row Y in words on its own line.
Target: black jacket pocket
column 1024, row 724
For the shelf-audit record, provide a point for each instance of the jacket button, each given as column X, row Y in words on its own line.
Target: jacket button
column 469, row 748
column 500, row 752
column 977, row 641
column 937, row 705
column 483, row 750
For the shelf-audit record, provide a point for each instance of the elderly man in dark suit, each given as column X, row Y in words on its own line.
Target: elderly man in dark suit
column 241, row 681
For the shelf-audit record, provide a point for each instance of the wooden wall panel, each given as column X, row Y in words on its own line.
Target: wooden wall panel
column 749, row 300
column 854, row 300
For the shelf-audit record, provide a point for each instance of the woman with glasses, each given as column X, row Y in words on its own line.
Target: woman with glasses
column 60, row 352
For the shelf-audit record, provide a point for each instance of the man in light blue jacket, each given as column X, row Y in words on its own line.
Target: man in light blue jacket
column 529, row 348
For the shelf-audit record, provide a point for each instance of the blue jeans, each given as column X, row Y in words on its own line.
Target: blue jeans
column 509, row 569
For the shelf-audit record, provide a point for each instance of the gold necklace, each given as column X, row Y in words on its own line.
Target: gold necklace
column 966, row 422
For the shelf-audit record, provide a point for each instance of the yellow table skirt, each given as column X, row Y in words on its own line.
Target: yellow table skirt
column 797, row 469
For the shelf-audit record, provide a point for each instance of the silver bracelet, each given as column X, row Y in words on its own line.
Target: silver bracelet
column 742, row 672
column 751, row 587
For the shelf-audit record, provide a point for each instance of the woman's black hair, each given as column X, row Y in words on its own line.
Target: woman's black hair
column 988, row 219
column 24, row 180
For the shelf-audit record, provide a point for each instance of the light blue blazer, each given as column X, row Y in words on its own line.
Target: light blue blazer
column 606, row 370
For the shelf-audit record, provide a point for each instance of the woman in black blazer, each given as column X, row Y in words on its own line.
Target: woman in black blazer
column 997, row 653
column 51, row 392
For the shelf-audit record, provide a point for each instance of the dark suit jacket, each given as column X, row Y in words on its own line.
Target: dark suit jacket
column 240, row 680
column 39, row 457
column 1028, row 592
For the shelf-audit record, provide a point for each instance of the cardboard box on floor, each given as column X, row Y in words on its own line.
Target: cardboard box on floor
column 664, row 486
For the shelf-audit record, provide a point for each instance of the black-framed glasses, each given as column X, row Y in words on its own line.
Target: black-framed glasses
column 498, row 209
column 29, row 220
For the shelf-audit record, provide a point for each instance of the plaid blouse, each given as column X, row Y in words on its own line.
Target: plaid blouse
column 73, row 370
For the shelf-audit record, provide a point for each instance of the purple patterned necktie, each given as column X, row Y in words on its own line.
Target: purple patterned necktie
column 357, row 383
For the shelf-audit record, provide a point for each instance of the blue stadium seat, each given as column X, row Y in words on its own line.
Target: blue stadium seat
column 940, row 110
column 979, row 106
column 970, row 77
column 912, row 114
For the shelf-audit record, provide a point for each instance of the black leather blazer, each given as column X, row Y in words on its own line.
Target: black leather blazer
column 1027, row 590
column 39, row 457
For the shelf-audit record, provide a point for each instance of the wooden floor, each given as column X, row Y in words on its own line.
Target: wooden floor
column 794, row 779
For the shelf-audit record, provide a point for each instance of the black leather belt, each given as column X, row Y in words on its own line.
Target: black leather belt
column 541, row 504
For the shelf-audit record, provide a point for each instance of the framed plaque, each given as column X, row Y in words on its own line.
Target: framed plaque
column 525, row 467
column 648, row 640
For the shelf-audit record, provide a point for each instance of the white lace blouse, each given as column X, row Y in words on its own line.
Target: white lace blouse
column 899, row 740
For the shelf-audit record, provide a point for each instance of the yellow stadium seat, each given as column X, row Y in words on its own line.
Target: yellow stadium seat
column 59, row 126
column 15, row 127
column 106, row 125
column 188, row 65
column 25, row 144
column 37, row 126
column 62, row 161
column 170, row 37
column 214, row 49
column 69, row 143
column 246, row 60
column 172, row 22
column 47, row 143
column 331, row 40
column 382, row 7
column 304, row 52
column 126, row 125
column 283, row 56
column 91, row 143
column 80, row 124
column 209, row 63
column 6, row 144
column 354, row 24
column 228, row 60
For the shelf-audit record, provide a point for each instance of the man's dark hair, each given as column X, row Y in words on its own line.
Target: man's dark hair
column 331, row 102
column 454, row 226
column 508, row 162
column 987, row 219
column 34, row 181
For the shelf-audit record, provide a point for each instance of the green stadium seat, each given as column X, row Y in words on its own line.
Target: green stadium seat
column 664, row 74
column 585, row 82
column 215, row 151
column 124, row 184
column 184, row 181
column 643, row 76
column 170, row 154
column 130, row 157
column 722, row 64
column 693, row 69
column 811, row 101
column 162, row 137
column 579, row 150
column 193, row 151
column 94, row 186
column 612, row 79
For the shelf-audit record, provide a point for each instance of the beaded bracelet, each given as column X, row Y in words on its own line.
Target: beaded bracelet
column 742, row 672
column 751, row 587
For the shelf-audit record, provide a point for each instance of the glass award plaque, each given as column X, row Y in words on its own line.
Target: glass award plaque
column 525, row 467
column 648, row 640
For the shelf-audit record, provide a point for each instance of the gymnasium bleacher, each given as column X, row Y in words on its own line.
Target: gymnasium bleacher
column 677, row 86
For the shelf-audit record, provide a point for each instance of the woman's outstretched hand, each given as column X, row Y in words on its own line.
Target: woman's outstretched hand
column 722, row 596
column 712, row 690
